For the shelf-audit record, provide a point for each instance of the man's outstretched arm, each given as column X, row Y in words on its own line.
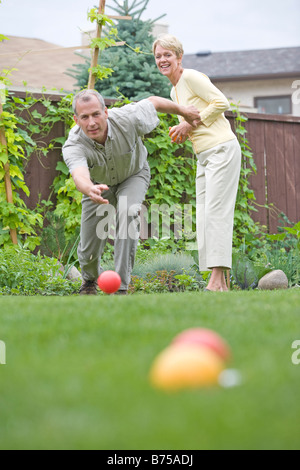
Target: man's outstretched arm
column 83, row 183
column 189, row 113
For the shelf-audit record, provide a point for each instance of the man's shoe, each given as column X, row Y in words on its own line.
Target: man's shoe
column 121, row 292
column 88, row 288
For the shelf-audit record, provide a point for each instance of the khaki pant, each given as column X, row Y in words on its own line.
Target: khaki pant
column 218, row 173
column 123, row 211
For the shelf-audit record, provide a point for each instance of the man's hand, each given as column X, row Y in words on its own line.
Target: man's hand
column 82, row 180
column 192, row 116
column 180, row 134
column 95, row 193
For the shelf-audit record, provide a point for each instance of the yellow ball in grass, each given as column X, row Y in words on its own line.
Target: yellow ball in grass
column 182, row 366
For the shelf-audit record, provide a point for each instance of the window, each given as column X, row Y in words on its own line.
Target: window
column 274, row 105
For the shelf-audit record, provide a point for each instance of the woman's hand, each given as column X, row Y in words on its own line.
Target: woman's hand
column 189, row 113
column 180, row 134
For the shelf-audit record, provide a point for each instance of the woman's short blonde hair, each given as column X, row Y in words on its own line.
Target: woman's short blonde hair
column 169, row 42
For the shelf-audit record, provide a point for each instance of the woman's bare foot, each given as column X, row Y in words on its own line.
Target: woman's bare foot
column 217, row 282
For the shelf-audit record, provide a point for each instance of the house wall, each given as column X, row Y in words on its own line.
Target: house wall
column 245, row 92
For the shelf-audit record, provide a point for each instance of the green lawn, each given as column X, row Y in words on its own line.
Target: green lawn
column 76, row 373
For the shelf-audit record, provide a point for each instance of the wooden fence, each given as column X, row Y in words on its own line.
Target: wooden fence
column 275, row 142
column 40, row 171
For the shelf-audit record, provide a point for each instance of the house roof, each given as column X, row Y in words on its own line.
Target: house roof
column 43, row 64
column 38, row 63
column 245, row 65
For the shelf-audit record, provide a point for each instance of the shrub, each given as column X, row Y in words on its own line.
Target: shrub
column 272, row 251
column 54, row 243
column 163, row 282
column 178, row 263
column 167, row 272
column 23, row 273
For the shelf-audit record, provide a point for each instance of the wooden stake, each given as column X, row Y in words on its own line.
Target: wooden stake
column 7, row 180
column 91, row 84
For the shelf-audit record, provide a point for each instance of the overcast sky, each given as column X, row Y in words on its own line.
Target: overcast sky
column 215, row 25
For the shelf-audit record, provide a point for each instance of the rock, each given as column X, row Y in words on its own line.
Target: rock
column 74, row 274
column 61, row 269
column 274, row 280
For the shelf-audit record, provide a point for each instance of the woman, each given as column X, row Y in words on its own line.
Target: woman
column 218, row 153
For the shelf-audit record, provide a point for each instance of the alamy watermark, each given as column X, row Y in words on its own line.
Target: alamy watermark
column 296, row 93
column 2, row 353
column 157, row 221
column 296, row 354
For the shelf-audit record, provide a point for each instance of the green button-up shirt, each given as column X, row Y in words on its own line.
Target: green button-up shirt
column 123, row 154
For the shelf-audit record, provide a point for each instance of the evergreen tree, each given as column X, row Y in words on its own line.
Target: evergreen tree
column 135, row 73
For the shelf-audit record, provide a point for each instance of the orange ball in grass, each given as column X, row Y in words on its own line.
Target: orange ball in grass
column 206, row 338
column 184, row 366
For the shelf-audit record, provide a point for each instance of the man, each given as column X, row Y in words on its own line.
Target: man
column 108, row 162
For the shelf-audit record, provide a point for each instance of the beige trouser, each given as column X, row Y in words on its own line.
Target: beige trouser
column 218, row 173
column 125, row 202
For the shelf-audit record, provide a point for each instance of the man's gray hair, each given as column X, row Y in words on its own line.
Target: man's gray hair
column 86, row 96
